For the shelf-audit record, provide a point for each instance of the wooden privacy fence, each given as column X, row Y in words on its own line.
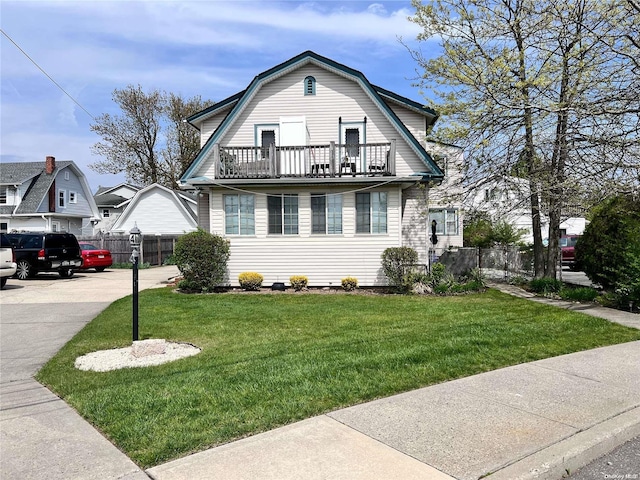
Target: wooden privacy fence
column 155, row 249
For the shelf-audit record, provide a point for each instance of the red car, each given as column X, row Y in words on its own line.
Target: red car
column 94, row 257
column 567, row 245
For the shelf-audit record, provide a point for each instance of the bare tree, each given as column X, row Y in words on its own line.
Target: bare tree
column 149, row 141
column 537, row 87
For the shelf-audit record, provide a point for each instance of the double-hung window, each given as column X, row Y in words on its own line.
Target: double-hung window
column 371, row 212
column 239, row 215
column 326, row 214
column 62, row 198
column 283, row 214
column 446, row 221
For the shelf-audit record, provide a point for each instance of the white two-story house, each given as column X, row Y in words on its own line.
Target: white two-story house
column 314, row 171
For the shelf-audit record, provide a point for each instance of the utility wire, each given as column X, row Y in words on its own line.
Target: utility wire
column 46, row 74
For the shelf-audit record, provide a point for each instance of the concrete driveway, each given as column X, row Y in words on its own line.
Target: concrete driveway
column 41, row 436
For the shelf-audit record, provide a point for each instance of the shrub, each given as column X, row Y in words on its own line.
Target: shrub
column 476, row 276
column 580, row 294
column 298, row 282
column 441, row 289
column 545, row 285
column 518, row 280
column 349, row 283
column 609, row 250
column 397, row 265
column 129, row 266
column 250, row 280
column 419, row 278
column 202, row 259
column 438, row 271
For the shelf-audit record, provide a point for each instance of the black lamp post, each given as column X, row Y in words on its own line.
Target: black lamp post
column 135, row 237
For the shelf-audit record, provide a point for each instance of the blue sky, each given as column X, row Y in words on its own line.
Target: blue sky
column 207, row 48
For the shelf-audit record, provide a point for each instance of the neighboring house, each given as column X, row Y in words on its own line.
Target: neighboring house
column 111, row 202
column 445, row 200
column 46, row 196
column 158, row 210
column 314, row 171
column 508, row 198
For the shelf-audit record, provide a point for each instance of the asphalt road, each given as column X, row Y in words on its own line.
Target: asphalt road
column 576, row 278
column 623, row 463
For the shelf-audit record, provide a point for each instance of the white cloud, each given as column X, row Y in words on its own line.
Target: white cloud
column 207, row 48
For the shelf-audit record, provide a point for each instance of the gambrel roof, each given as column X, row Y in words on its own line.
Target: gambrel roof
column 236, row 104
column 21, row 173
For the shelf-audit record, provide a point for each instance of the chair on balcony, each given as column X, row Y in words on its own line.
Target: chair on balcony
column 227, row 164
column 347, row 166
column 379, row 165
column 316, row 168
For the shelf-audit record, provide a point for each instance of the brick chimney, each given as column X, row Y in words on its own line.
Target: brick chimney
column 50, row 165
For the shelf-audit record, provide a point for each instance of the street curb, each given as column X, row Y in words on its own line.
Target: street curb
column 565, row 457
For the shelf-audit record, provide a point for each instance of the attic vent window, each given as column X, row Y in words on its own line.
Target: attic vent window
column 309, row 86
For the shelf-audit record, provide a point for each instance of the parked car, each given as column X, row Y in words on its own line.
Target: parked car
column 567, row 245
column 94, row 257
column 45, row 252
column 7, row 260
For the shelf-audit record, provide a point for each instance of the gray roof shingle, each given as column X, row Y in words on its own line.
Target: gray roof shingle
column 21, row 172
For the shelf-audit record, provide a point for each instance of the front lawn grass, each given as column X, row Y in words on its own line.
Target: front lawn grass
column 268, row 360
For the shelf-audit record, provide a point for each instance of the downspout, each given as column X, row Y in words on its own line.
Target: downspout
column 426, row 224
column 47, row 222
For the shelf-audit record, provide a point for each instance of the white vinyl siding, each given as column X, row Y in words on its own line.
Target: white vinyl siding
column 414, row 221
column 324, row 259
column 336, row 97
column 156, row 211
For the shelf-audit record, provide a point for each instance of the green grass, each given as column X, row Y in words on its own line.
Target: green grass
column 269, row 360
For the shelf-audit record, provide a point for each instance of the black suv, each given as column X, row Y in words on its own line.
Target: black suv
column 45, row 252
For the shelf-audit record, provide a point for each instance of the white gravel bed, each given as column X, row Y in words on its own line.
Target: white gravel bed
column 106, row 360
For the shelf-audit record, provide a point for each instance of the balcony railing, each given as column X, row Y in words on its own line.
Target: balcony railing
column 333, row 160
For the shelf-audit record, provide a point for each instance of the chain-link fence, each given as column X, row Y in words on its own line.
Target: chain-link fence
column 497, row 263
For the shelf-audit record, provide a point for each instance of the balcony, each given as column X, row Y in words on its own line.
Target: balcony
column 329, row 161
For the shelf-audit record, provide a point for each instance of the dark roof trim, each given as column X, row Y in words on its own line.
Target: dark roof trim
column 216, row 107
column 423, row 109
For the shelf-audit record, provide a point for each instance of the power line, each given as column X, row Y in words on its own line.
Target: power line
column 46, row 74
